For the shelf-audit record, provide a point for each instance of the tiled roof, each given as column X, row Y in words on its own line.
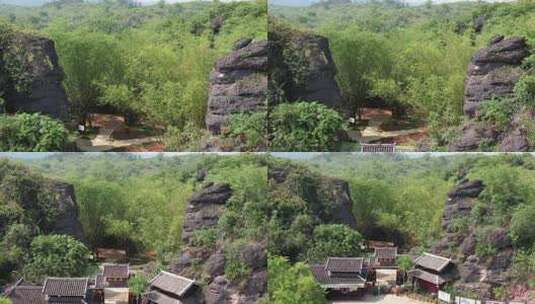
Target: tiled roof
column 171, row 283
column 322, row 277
column 160, row 298
column 100, row 282
column 66, row 287
column 433, row 262
column 344, row 264
column 427, row 276
column 26, row 295
column 386, row 252
column 116, row 271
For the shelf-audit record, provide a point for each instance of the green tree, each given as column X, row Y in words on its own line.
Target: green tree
column 5, row 300
column 137, row 284
column 56, row 255
column 292, row 284
column 522, row 228
column 334, row 240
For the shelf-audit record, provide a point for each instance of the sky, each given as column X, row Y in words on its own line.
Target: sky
column 40, row 2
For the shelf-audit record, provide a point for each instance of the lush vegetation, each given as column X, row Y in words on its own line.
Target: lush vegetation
column 32, row 132
column 413, row 59
column 149, row 63
column 297, row 278
column 124, row 202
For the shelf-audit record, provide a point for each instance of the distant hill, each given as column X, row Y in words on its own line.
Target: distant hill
column 410, row 2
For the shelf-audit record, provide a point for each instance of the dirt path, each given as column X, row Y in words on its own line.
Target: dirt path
column 103, row 141
column 372, row 132
column 385, row 299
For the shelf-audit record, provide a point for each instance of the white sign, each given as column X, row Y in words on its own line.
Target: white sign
column 444, row 296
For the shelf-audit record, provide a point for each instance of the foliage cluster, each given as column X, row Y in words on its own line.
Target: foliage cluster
column 32, row 132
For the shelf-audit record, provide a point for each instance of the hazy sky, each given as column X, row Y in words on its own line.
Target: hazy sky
column 307, row 2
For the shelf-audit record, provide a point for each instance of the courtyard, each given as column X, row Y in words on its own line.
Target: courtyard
column 382, row 299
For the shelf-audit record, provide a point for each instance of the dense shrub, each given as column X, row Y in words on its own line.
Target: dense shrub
column 522, row 227
column 248, row 130
column 304, row 126
column 334, row 240
column 57, row 255
column 31, row 132
column 496, row 112
column 525, row 90
column 297, row 278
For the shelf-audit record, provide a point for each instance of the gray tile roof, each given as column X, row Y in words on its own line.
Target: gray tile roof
column 160, row 298
column 431, row 261
column 100, row 282
column 322, row 277
column 386, row 252
column 427, row 276
column 116, row 271
column 344, row 264
column 66, row 287
column 171, row 283
column 26, row 295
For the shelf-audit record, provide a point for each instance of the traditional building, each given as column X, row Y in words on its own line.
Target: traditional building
column 66, row 290
column 341, row 275
column 385, row 256
column 431, row 271
column 169, row 288
column 116, row 275
column 22, row 293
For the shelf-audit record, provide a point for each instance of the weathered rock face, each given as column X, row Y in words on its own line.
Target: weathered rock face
column 39, row 64
column 325, row 190
column 477, row 274
column 493, row 71
column 203, row 212
column 301, row 68
column 238, row 83
column 67, row 219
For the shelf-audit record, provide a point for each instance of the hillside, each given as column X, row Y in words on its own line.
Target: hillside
column 412, row 74
column 138, row 79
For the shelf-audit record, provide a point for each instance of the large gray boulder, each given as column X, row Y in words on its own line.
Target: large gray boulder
column 38, row 62
column 238, row 83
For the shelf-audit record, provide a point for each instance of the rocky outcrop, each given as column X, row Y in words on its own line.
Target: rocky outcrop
column 238, row 83
column 32, row 80
column 493, row 71
column 475, row 273
column 328, row 198
column 301, row 68
column 203, row 212
column 67, row 211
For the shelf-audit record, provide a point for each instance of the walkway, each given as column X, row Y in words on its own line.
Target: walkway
column 372, row 132
column 103, row 141
column 385, row 299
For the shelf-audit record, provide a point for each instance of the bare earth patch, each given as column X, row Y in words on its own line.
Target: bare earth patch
column 384, row 299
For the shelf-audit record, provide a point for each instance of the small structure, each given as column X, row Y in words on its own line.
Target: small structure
column 169, row 288
column 116, row 275
column 378, row 148
column 21, row 293
column 341, row 275
column 385, row 256
column 431, row 272
column 66, row 290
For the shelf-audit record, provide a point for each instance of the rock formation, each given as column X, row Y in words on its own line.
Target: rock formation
column 476, row 274
column 203, row 212
column 493, row 71
column 67, row 211
column 329, row 198
column 37, row 64
column 238, row 83
column 301, row 68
